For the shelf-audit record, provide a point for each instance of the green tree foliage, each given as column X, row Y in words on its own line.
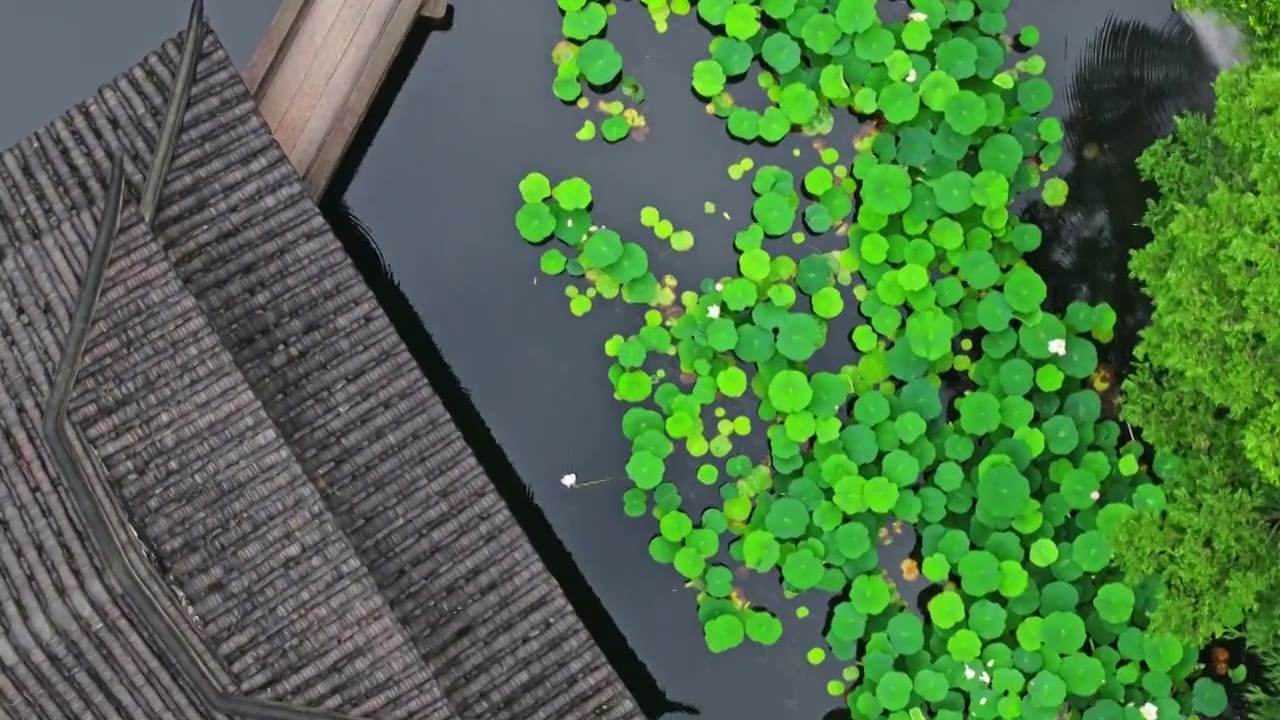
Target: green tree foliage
column 1207, row 383
column 1260, row 17
column 1264, row 639
column 1212, row 269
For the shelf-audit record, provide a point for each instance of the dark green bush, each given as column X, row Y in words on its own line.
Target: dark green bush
column 1261, row 18
column 1206, row 387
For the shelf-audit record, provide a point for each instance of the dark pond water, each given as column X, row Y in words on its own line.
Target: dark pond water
column 427, row 210
column 54, row 53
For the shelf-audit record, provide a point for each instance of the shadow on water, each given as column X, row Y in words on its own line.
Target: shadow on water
column 363, row 250
column 1130, row 82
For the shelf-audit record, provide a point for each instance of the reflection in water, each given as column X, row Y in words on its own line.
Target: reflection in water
column 369, row 260
column 1130, row 82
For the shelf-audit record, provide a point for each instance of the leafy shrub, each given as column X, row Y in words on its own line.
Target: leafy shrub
column 1018, row 487
column 1260, row 17
column 1264, row 642
column 1207, row 385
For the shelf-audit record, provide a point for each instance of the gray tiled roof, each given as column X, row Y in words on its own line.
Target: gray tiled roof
column 309, row 511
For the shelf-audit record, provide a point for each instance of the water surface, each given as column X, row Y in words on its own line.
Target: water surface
column 435, row 192
column 55, row 53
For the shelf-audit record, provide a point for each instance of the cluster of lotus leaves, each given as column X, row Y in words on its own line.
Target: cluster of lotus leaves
column 953, row 412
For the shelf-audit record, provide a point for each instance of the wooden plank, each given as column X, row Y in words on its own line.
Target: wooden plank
column 286, row 18
column 329, row 154
column 317, row 69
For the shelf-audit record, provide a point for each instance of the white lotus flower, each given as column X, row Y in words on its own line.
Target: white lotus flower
column 970, row 673
column 569, row 480
column 713, row 311
column 1149, row 711
column 1095, row 495
column 719, row 287
column 918, row 16
column 911, row 76
column 986, row 679
column 1058, row 347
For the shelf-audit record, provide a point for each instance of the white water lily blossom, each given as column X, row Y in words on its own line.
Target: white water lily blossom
column 719, row 287
column 970, row 674
column 911, row 76
column 918, row 16
column 571, row 481
column 1058, row 347
column 713, row 311
column 1095, row 495
column 1149, row 711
